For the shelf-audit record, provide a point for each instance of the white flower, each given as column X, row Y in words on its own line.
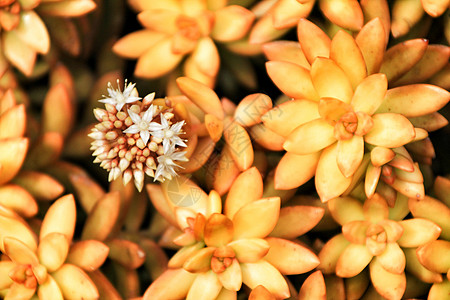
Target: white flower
column 166, row 163
column 143, row 125
column 168, row 134
column 119, row 98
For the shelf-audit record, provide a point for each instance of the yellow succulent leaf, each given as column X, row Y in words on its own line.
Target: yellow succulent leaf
column 330, row 253
column 346, row 53
column 159, row 20
column 33, row 32
column 289, row 226
column 370, row 93
column 181, row 191
column 372, row 43
column 52, row 250
column 405, row 14
column 231, row 278
column 251, row 108
column 178, row 259
column 355, row 231
column 158, row 60
column 247, row 188
column 285, row 14
column 392, row 259
column 225, row 173
column 73, row 8
column 284, row 118
column 218, row 230
column 289, row 176
column 346, row 14
column 60, row 217
column 350, row 154
column 88, row 191
column 102, row 217
column 288, row 51
column 263, row 273
column 418, row 232
column 231, row 23
column 289, row 257
column 414, row 266
column 58, row 111
column 429, row 122
column 249, row 250
column 214, row 126
column 376, row 208
column 200, row 261
column 292, row 79
column 49, row 290
column 247, row 219
column 18, row 199
column 88, row 255
column 330, row 80
column 239, row 143
column 435, row 256
column 439, row 290
column 104, row 286
column 126, row 253
column 329, row 180
column 19, row 291
column 314, row 42
column 346, row 209
column 74, row 283
column 205, row 285
column 390, row 130
column 18, row 53
column 313, row 287
column 434, row 59
column 206, row 58
column 410, row 189
column 371, row 180
column 400, row 58
column 203, row 149
column 40, row 185
column 261, row 293
column 12, row 155
column 310, row 137
column 263, row 31
column 13, row 122
column 19, row 252
column 201, row 95
column 387, row 284
column 5, row 268
column 353, row 260
column 214, row 204
column 266, row 137
column 434, row 210
column 377, row 9
column 414, row 100
column 136, row 43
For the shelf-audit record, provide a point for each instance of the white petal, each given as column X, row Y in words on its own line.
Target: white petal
column 132, row 129
column 145, row 135
column 134, row 117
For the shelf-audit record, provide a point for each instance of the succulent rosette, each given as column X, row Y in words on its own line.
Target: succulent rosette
column 222, row 125
column 180, row 29
column 372, row 236
column 50, row 267
column 223, row 250
column 340, row 90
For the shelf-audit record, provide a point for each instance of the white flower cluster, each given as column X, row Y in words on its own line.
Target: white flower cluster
column 137, row 137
